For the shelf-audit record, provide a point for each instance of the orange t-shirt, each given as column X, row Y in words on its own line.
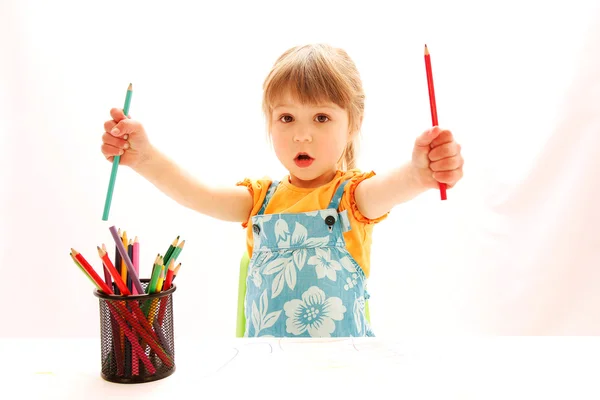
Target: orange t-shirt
column 291, row 199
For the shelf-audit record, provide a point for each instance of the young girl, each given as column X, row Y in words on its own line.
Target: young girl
column 308, row 235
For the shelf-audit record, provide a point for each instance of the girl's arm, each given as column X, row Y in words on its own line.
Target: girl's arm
column 379, row 194
column 436, row 158
column 228, row 204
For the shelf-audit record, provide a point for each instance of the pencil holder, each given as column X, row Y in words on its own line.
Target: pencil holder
column 137, row 336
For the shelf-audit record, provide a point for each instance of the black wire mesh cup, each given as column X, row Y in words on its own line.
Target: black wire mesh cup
column 137, row 336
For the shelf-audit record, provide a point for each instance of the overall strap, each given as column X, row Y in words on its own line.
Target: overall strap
column 335, row 201
column 270, row 192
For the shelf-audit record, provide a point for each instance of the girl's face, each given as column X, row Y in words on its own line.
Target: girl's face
column 309, row 139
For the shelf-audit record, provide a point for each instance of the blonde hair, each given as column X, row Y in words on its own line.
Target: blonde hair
column 317, row 73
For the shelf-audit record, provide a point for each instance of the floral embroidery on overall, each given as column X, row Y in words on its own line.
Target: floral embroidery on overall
column 302, row 281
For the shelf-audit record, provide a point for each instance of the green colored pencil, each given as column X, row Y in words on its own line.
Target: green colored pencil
column 177, row 250
column 154, row 279
column 115, row 165
column 170, row 250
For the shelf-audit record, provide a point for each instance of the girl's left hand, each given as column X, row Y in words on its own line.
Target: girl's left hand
column 436, row 158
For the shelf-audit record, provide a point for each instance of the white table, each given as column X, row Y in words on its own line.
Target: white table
column 415, row 368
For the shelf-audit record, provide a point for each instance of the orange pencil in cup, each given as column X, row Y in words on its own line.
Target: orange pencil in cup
column 433, row 107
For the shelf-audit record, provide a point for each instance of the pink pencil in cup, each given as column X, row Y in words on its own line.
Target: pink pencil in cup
column 136, row 259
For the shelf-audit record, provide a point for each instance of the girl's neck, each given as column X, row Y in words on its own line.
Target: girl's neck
column 313, row 183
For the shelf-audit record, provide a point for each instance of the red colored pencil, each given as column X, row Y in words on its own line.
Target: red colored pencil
column 166, row 286
column 92, row 273
column 432, row 106
column 113, row 271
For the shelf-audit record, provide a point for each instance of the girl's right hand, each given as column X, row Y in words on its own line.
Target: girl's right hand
column 126, row 138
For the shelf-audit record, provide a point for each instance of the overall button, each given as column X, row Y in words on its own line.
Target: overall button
column 330, row 220
column 256, row 229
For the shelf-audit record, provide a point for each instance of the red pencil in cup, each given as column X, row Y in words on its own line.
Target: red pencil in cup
column 166, row 286
column 113, row 271
column 434, row 118
column 91, row 272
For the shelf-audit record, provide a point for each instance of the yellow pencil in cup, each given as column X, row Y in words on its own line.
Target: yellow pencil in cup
column 158, row 287
column 115, row 165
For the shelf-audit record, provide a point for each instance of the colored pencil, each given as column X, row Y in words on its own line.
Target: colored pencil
column 178, row 250
column 118, row 264
column 107, row 276
column 136, row 258
column 155, row 272
column 154, row 305
column 166, row 286
column 432, row 106
column 123, row 265
column 84, row 271
column 135, row 365
column 113, row 271
column 90, row 270
column 163, row 339
column 116, row 160
column 169, row 277
column 130, row 270
column 130, row 253
column 125, row 344
column 176, row 271
column 170, row 250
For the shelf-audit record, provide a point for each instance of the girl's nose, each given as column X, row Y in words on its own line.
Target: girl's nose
column 302, row 136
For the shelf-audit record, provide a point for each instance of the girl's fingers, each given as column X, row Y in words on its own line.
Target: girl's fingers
column 117, row 115
column 110, row 151
column 108, row 125
column 448, row 177
column 444, row 137
column 446, row 164
column 125, row 127
column 117, row 142
column 444, row 151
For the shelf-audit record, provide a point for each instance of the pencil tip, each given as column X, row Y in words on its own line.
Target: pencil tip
column 130, row 87
column 426, row 50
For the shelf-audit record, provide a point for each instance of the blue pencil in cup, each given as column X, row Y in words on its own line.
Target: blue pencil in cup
column 115, row 165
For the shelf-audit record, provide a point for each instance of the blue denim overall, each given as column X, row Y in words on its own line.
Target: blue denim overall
column 302, row 281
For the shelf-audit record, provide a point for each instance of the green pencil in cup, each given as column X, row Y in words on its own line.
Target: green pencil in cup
column 115, row 165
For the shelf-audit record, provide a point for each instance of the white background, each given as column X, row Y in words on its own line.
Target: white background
column 514, row 250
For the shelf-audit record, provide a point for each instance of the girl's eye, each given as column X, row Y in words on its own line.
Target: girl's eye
column 322, row 118
column 286, row 118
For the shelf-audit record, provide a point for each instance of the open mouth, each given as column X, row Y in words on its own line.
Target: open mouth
column 303, row 160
